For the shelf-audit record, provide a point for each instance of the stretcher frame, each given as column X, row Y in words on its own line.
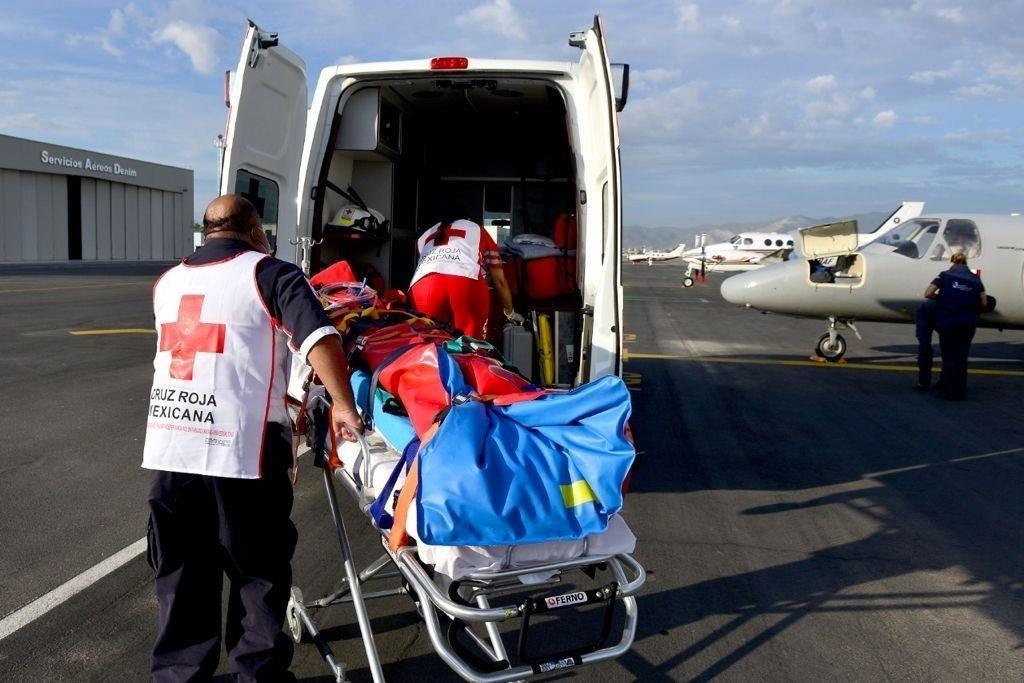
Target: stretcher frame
column 468, row 601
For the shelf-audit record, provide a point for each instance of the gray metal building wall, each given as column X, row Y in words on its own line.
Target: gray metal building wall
column 33, row 216
column 146, row 217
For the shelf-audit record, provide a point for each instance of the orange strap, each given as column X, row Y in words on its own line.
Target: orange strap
column 399, row 534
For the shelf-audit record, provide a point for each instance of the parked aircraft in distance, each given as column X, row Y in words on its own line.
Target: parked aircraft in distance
column 885, row 280
column 745, row 251
column 651, row 256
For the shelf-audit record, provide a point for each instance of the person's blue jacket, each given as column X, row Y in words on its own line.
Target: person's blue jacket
column 959, row 299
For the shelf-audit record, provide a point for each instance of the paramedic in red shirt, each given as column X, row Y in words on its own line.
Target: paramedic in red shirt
column 450, row 282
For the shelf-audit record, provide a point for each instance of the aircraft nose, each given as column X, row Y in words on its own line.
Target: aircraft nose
column 753, row 288
column 734, row 288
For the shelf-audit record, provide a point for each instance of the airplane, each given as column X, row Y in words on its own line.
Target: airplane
column 652, row 256
column 745, row 251
column 884, row 281
column 752, row 250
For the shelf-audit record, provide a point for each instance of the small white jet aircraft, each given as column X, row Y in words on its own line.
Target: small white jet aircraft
column 652, row 256
column 752, row 250
column 885, row 280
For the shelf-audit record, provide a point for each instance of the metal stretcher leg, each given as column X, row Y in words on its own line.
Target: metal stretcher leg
column 358, row 603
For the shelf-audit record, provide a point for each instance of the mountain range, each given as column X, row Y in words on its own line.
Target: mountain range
column 667, row 237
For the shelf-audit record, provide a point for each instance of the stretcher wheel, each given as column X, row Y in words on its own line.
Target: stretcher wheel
column 687, row 281
column 292, row 616
column 830, row 352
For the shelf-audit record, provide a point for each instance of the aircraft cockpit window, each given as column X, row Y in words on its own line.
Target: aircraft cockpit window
column 735, row 240
column 962, row 235
column 747, row 240
column 912, row 239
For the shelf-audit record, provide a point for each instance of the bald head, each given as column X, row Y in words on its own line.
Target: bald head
column 232, row 213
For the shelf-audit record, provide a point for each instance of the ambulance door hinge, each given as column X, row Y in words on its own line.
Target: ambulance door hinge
column 263, row 40
column 578, row 39
column 588, row 310
column 583, row 197
column 314, row 192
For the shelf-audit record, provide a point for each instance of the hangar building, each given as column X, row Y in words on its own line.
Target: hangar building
column 65, row 204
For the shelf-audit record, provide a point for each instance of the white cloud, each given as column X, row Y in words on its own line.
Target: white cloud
column 649, row 77
column 821, row 84
column 496, row 16
column 931, row 76
column 198, row 42
column 867, row 93
column 924, row 121
column 104, row 37
column 951, row 14
column 885, row 119
column 730, row 24
column 688, row 16
column 347, row 59
column 980, row 90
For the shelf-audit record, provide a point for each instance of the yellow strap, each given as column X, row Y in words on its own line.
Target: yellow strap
column 577, row 493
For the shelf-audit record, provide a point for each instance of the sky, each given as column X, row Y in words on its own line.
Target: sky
column 738, row 109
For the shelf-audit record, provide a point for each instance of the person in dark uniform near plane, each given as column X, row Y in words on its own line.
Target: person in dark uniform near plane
column 924, row 322
column 219, row 442
column 960, row 297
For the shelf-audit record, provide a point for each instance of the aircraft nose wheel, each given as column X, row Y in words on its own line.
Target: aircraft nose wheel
column 830, row 351
column 687, row 281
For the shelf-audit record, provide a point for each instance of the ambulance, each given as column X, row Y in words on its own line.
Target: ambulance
column 522, row 144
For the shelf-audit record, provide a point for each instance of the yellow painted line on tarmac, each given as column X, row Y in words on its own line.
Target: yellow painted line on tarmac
column 113, row 330
column 628, row 338
column 54, row 289
column 813, row 364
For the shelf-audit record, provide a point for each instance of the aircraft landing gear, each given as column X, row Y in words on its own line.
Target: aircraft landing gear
column 687, row 281
column 831, row 346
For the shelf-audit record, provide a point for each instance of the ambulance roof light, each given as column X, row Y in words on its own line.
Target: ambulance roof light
column 449, row 63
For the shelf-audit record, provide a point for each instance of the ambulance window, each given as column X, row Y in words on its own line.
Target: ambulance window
column 747, row 240
column 962, row 235
column 263, row 194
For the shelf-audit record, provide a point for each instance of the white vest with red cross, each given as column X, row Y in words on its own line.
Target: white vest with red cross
column 220, row 371
column 458, row 252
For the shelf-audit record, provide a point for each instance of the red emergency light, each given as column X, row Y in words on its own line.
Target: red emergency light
column 448, row 63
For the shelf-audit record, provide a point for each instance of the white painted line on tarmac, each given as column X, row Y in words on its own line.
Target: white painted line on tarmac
column 41, row 605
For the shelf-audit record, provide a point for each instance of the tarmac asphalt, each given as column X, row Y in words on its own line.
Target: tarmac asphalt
column 798, row 521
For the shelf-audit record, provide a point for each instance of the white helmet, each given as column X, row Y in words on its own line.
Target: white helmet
column 359, row 219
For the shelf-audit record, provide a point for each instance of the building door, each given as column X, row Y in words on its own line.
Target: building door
column 74, row 218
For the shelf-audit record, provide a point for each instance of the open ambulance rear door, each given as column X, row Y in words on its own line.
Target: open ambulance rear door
column 266, row 128
column 601, row 211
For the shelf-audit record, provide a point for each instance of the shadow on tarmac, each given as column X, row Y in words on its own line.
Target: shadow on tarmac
column 939, row 483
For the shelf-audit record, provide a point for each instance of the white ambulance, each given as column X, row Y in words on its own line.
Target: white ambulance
column 519, row 142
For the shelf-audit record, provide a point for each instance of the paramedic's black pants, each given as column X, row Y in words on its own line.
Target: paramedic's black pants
column 202, row 528
column 925, row 324
column 955, row 342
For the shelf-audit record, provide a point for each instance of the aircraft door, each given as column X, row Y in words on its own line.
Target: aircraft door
column 266, row 129
column 601, row 179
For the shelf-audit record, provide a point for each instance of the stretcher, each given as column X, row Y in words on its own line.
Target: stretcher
column 468, row 597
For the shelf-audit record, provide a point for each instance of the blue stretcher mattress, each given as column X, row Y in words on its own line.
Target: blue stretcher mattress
column 395, row 429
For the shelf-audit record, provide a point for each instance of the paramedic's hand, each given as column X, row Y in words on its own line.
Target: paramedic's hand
column 515, row 318
column 347, row 423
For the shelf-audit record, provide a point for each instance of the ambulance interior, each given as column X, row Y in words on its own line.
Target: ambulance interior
column 496, row 148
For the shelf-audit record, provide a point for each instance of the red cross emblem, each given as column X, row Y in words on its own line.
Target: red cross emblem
column 451, row 232
column 187, row 336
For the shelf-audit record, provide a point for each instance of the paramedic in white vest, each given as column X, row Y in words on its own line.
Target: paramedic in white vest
column 450, row 282
column 219, row 442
